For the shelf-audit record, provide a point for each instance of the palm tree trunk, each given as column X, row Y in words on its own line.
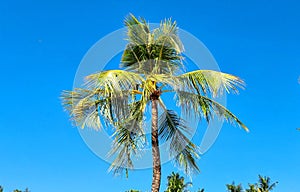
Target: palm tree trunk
column 155, row 149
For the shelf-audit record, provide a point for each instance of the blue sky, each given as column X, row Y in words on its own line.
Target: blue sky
column 42, row 44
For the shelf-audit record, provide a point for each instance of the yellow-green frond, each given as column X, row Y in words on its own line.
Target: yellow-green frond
column 81, row 105
column 210, row 82
column 137, row 30
column 113, row 82
column 201, row 106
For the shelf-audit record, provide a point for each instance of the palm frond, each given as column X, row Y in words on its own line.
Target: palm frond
column 187, row 158
column 163, row 80
column 173, row 128
column 119, row 87
column 167, row 35
column 137, row 31
column 82, row 107
column 201, row 106
column 113, row 82
column 129, row 138
column 151, row 59
column 169, row 124
column 152, row 53
column 71, row 98
column 124, row 146
column 210, row 82
column 127, row 145
column 87, row 106
column 135, row 118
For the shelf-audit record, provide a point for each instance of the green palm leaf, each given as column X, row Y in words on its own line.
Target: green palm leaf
column 113, row 82
column 126, row 145
column 172, row 127
column 129, row 138
column 118, row 87
column 167, row 36
column 201, row 106
column 138, row 31
column 207, row 81
column 152, row 53
column 82, row 107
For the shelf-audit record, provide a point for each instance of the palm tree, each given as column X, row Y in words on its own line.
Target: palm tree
column 176, row 183
column 265, row 185
column 234, row 188
column 252, row 188
column 152, row 65
column 1, row 188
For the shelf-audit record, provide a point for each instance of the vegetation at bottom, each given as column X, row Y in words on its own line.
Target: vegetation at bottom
column 16, row 190
column 177, row 183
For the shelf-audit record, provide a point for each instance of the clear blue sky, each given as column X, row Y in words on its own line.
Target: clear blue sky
column 43, row 42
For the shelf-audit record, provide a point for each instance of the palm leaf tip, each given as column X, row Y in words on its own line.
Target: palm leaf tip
column 201, row 106
column 82, row 108
column 131, row 20
column 66, row 100
column 229, row 116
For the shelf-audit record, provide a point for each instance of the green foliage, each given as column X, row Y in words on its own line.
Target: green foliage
column 173, row 128
column 234, row 188
column 176, row 183
column 264, row 184
column 252, row 188
column 16, row 190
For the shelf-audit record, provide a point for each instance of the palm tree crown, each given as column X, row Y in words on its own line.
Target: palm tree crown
column 176, row 183
column 265, row 185
column 234, row 188
column 152, row 65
